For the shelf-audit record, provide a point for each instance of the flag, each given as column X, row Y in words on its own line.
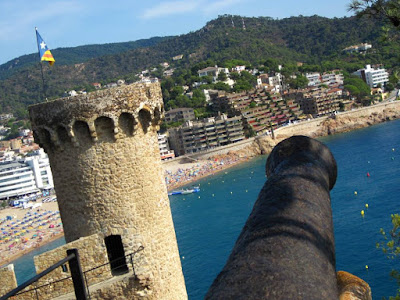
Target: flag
column 44, row 52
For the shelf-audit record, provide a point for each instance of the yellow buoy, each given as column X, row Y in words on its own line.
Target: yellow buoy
column 366, row 205
column 362, row 212
column 366, row 266
column 231, row 193
column 355, row 193
column 183, row 257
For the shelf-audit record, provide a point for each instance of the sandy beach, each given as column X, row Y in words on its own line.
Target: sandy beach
column 23, row 230
column 179, row 174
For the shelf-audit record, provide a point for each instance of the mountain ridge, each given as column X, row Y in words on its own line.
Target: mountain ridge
column 311, row 40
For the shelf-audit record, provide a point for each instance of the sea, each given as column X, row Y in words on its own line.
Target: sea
column 208, row 223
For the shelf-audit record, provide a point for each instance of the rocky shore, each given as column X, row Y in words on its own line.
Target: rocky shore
column 340, row 123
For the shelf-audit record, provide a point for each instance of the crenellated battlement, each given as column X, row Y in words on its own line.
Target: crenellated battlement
column 101, row 116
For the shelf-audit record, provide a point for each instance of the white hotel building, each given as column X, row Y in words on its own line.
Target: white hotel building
column 372, row 76
column 26, row 177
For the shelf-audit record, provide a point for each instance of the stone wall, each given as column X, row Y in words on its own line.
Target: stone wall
column 104, row 156
column 8, row 281
column 92, row 252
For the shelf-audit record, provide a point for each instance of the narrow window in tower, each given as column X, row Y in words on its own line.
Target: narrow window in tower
column 116, row 254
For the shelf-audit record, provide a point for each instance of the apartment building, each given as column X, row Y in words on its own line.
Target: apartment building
column 179, row 114
column 21, row 178
column 261, row 109
column 206, row 134
column 332, row 78
column 318, row 102
column 165, row 152
column 314, row 79
column 373, row 76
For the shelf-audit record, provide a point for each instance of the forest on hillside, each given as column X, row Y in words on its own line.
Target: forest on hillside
column 315, row 41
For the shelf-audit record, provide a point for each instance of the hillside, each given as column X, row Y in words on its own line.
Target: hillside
column 312, row 40
column 75, row 55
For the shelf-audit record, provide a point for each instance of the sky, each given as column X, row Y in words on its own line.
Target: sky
column 70, row 23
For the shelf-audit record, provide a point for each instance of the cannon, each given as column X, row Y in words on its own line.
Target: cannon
column 286, row 248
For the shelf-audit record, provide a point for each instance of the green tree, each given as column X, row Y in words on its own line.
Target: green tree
column 389, row 87
column 272, row 64
column 299, row 82
column 388, row 10
column 353, row 90
column 222, row 86
column 234, row 76
column 198, row 98
column 222, row 76
column 176, row 91
column 391, row 247
column 362, row 89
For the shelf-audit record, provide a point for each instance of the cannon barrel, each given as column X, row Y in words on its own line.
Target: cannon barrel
column 286, row 248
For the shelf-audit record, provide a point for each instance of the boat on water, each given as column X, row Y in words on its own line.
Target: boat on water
column 195, row 189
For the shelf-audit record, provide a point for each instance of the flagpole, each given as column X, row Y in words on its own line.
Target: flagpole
column 41, row 67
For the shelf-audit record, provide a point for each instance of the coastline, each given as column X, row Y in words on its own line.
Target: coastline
column 24, row 230
column 15, row 256
column 189, row 173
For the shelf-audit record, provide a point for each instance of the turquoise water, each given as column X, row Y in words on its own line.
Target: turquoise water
column 24, row 267
column 207, row 227
column 208, row 223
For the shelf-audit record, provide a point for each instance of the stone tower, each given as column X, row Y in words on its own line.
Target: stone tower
column 105, row 160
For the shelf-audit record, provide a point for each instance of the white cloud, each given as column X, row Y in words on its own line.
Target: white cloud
column 170, row 8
